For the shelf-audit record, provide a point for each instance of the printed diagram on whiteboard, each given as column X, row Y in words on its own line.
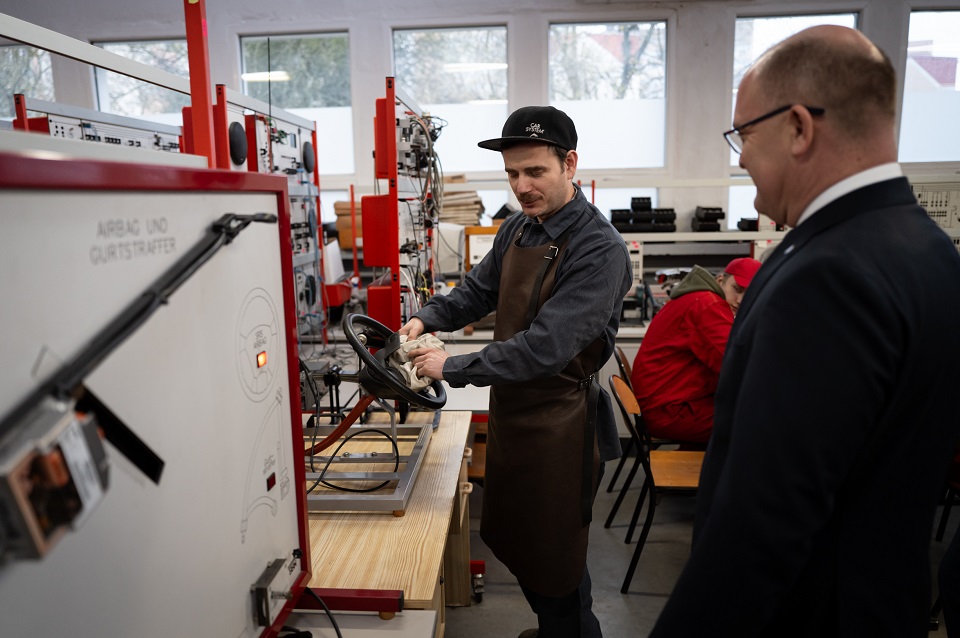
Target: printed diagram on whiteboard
column 268, row 481
column 258, row 355
column 258, row 337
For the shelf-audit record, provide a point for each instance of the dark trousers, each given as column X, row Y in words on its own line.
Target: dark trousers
column 569, row 616
column 949, row 582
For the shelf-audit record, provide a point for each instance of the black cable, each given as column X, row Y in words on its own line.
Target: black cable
column 333, row 620
column 316, row 405
column 346, row 439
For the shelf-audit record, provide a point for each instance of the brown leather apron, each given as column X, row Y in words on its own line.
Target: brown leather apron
column 542, row 456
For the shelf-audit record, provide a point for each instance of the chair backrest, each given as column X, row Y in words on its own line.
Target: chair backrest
column 624, row 364
column 630, row 410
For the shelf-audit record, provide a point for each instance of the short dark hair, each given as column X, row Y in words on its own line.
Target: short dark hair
column 560, row 153
column 855, row 87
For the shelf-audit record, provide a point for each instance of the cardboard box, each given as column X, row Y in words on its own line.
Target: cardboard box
column 345, row 232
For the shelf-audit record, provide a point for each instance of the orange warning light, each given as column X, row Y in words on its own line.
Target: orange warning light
column 261, row 359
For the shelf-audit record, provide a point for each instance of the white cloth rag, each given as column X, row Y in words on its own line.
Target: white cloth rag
column 400, row 360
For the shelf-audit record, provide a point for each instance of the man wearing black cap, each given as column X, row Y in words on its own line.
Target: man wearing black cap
column 556, row 276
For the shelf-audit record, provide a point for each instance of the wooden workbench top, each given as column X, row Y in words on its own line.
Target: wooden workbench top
column 376, row 550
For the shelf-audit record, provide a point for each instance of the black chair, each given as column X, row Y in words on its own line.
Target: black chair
column 666, row 471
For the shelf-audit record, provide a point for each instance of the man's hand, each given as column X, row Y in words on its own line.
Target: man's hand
column 428, row 361
column 413, row 329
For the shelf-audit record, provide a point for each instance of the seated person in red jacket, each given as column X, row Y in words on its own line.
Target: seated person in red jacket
column 676, row 370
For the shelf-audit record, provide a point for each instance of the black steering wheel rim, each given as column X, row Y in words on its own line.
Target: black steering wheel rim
column 378, row 372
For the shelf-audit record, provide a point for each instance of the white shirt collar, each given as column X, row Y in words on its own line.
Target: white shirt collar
column 880, row 173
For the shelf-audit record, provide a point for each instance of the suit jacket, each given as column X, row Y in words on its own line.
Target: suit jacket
column 836, row 415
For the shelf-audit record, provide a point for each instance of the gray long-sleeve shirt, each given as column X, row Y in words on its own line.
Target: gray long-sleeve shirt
column 593, row 275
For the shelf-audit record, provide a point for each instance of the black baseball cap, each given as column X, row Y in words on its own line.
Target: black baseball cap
column 544, row 124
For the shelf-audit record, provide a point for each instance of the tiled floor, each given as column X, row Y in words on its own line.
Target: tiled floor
column 503, row 612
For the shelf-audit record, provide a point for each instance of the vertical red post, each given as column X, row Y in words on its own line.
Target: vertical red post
column 201, row 97
column 353, row 231
column 593, row 191
column 221, row 128
column 21, row 123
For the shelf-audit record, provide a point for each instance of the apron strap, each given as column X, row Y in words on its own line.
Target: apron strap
column 548, row 260
column 589, row 431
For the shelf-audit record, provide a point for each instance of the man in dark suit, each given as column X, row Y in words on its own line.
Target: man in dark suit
column 836, row 410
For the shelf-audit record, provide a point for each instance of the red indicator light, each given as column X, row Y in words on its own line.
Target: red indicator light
column 261, row 359
column 271, row 481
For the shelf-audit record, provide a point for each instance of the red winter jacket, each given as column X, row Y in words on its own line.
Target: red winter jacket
column 680, row 355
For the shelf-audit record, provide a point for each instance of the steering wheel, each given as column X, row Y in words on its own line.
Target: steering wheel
column 376, row 377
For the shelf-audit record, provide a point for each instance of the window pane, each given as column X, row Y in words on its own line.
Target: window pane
column 459, row 75
column 309, row 76
column 930, row 126
column 603, row 73
column 26, row 70
column 124, row 95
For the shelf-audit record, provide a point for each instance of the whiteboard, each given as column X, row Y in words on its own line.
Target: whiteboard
column 176, row 558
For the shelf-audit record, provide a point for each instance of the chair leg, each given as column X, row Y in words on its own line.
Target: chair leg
column 623, row 459
column 947, row 505
column 647, row 524
column 623, row 493
column 637, row 508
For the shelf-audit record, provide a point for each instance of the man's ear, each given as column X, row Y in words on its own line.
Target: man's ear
column 802, row 130
column 570, row 164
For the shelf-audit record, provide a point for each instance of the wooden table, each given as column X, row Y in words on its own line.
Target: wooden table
column 373, row 550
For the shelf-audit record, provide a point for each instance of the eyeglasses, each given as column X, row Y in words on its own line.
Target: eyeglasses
column 733, row 136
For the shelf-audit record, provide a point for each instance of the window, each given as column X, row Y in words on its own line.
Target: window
column 309, row 76
column 459, row 75
column 752, row 38
column 929, row 124
column 124, row 95
column 26, row 70
column 603, row 73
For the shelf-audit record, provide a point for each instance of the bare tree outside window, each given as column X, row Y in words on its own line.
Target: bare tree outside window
column 452, row 66
column 308, row 75
column 316, row 68
column 124, row 95
column 611, row 79
column 26, row 70
column 459, row 75
column 623, row 61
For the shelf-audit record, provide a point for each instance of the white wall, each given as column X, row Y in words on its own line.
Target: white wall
column 699, row 39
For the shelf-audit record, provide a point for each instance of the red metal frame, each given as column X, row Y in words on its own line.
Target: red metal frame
column 382, row 601
column 201, row 99
column 22, row 122
column 221, row 128
column 25, row 172
column 379, row 213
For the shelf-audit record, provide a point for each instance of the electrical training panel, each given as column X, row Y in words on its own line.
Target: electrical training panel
column 254, row 136
column 407, row 214
column 75, row 123
column 942, row 202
